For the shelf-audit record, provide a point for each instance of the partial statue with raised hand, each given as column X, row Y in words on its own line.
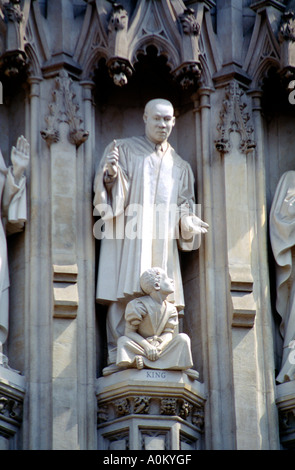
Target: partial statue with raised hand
column 282, row 236
column 144, row 193
column 13, row 216
column 150, row 340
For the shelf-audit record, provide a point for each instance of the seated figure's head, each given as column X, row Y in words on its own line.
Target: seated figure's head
column 156, row 279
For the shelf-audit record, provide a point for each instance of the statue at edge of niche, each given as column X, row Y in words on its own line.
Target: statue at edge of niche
column 13, row 216
column 282, row 236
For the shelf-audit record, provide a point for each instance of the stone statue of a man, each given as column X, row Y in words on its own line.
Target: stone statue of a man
column 282, row 236
column 13, row 215
column 144, row 192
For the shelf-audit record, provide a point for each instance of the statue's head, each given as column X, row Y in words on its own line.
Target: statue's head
column 159, row 120
column 156, row 279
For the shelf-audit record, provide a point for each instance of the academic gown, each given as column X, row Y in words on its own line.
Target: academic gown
column 160, row 190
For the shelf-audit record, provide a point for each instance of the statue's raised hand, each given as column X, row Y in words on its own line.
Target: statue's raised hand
column 112, row 160
column 20, row 156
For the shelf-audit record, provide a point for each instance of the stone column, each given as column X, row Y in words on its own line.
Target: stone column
column 64, row 135
column 219, row 428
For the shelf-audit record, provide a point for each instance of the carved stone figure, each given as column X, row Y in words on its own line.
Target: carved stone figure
column 282, row 235
column 149, row 339
column 144, row 193
column 13, row 216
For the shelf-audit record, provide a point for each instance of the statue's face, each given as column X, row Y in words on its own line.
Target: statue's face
column 159, row 121
column 167, row 284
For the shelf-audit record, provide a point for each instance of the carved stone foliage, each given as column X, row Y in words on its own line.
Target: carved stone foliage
column 151, row 406
column 287, row 27
column 11, row 413
column 234, row 118
column 64, row 108
column 13, row 59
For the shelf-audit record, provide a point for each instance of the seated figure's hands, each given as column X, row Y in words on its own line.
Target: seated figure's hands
column 151, row 351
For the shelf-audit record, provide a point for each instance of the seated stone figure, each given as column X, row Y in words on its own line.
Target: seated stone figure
column 149, row 339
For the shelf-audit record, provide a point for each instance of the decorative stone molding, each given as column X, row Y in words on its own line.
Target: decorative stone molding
column 64, row 108
column 234, row 117
column 65, row 291
column 173, row 29
column 12, row 391
column 286, row 407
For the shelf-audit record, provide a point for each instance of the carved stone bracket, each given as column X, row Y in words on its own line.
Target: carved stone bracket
column 287, row 43
column 13, row 59
column 234, row 117
column 286, row 408
column 64, row 108
column 154, row 400
column 12, row 391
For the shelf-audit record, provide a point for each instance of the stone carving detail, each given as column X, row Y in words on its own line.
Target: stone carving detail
column 122, row 407
column 13, row 58
column 189, row 23
column 11, row 408
column 234, row 117
column 102, row 413
column 64, row 108
column 287, row 27
column 168, row 406
column 141, row 405
column 198, row 417
column 119, row 66
column 185, row 409
column 286, row 38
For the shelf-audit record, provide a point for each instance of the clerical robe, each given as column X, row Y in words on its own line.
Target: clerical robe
column 12, row 217
column 282, row 235
column 153, row 320
column 150, row 194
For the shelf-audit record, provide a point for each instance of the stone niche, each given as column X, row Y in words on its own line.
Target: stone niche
column 150, row 410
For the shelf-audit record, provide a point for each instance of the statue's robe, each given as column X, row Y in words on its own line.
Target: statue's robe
column 154, row 192
column 13, row 214
column 282, row 236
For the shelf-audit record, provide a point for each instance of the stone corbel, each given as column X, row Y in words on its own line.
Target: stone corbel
column 189, row 72
column 12, row 392
column 13, row 59
column 287, row 44
column 118, row 65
